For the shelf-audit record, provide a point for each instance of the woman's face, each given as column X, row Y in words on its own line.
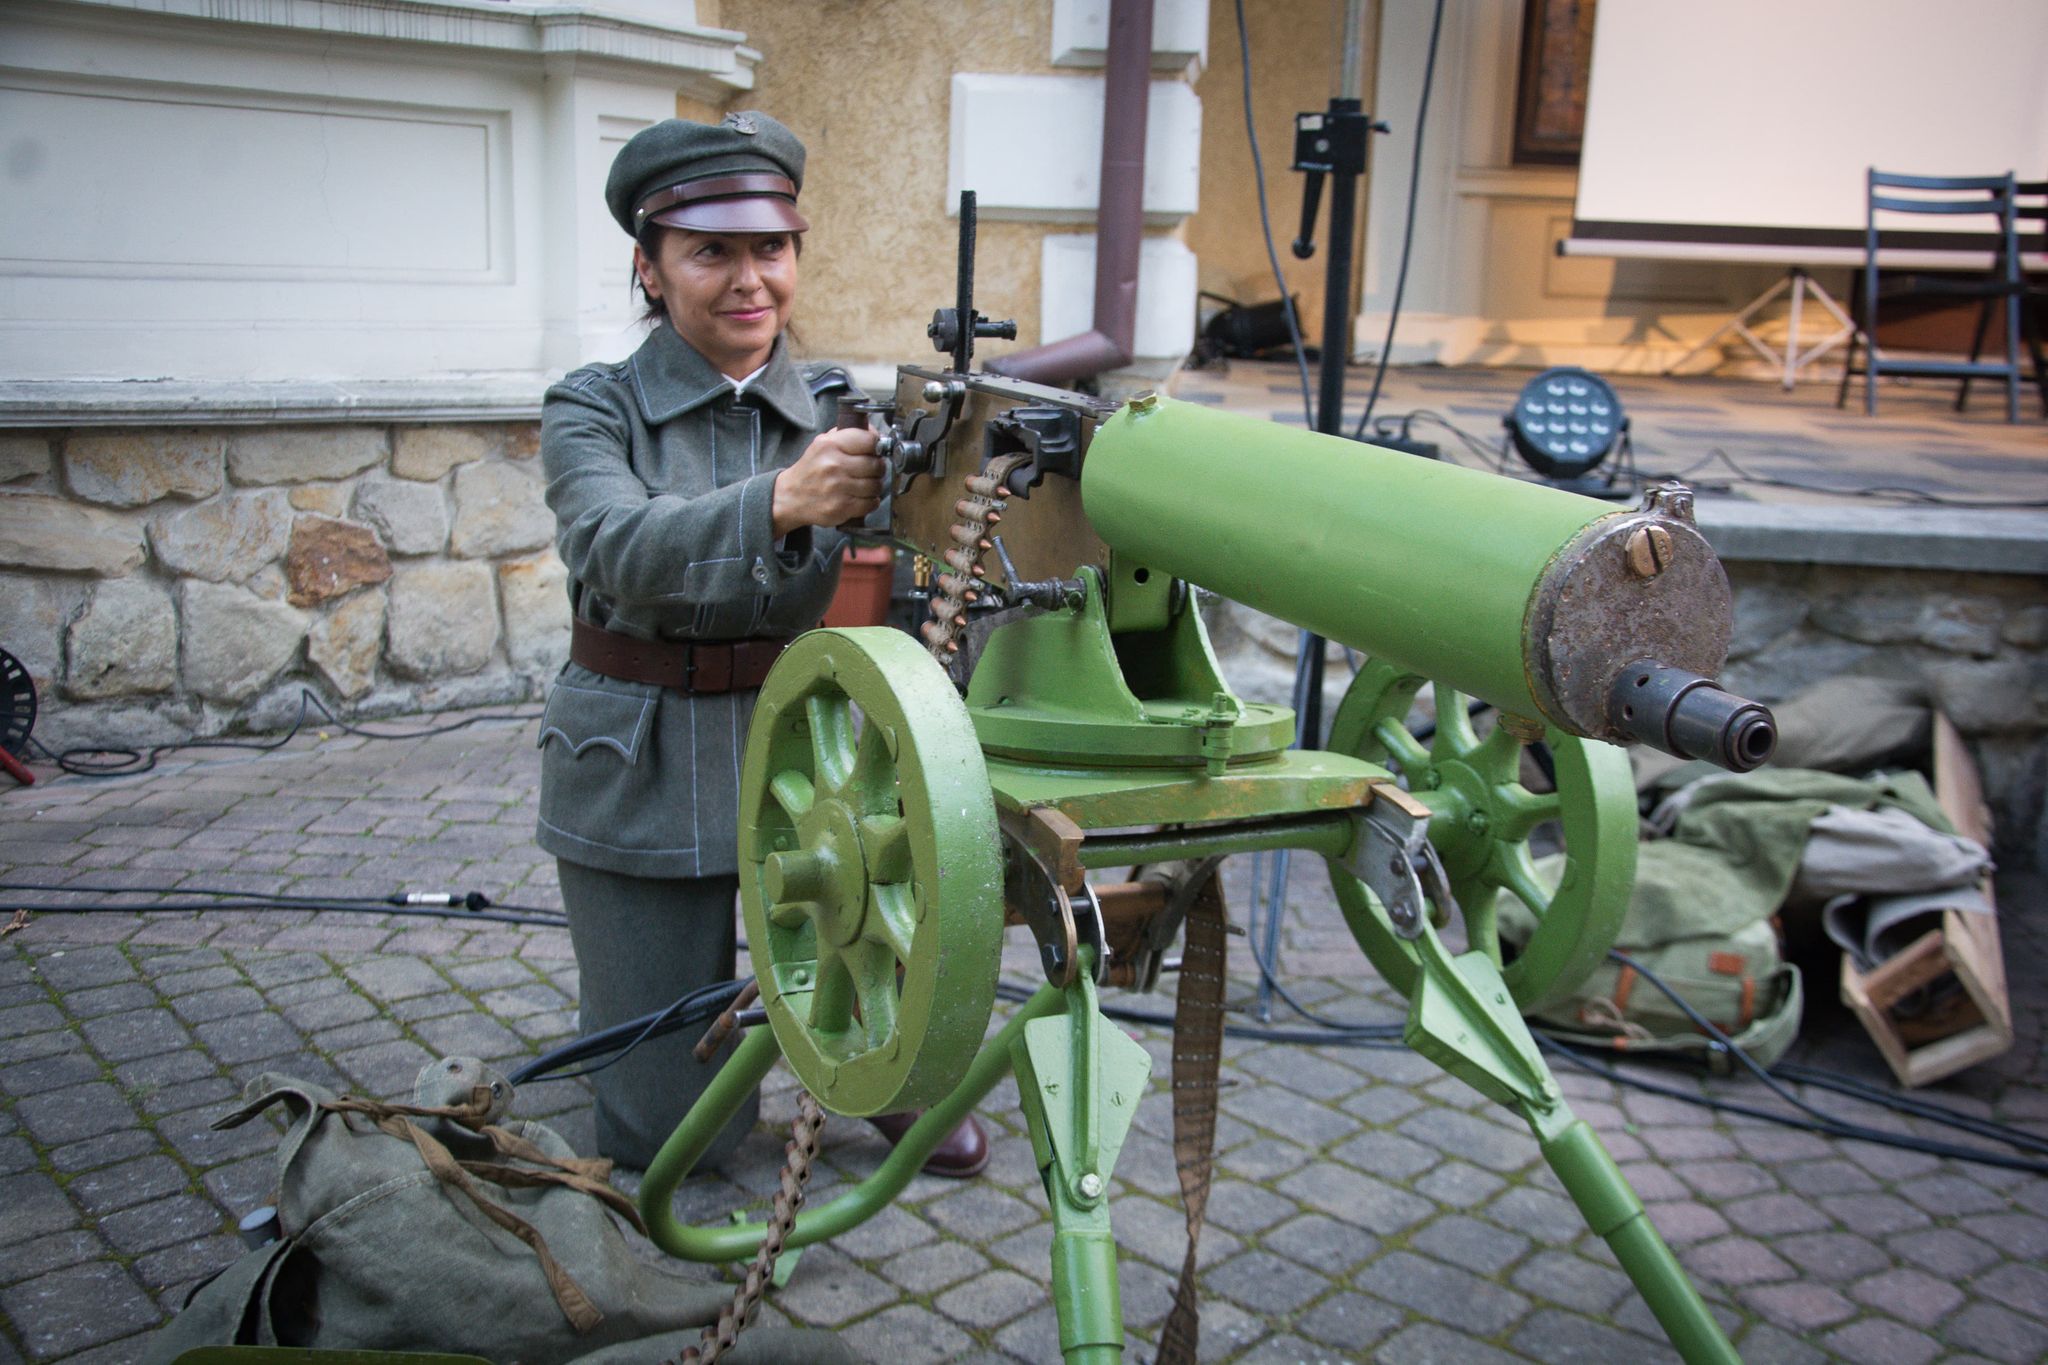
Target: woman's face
column 727, row 293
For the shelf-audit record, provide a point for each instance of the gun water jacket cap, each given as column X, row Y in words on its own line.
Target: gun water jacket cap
column 741, row 174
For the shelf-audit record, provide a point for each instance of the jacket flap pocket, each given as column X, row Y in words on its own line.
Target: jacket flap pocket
column 585, row 718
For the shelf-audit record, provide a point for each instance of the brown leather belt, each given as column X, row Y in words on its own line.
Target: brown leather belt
column 686, row 665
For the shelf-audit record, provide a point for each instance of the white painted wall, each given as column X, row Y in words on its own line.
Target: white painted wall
column 1166, row 293
column 358, row 190
column 1030, row 147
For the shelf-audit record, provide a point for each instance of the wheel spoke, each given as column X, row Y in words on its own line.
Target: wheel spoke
column 1408, row 755
column 832, row 739
column 1476, row 907
column 1454, row 734
column 1517, row 872
column 1497, row 757
column 832, row 1002
column 1522, row 810
column 793, row 792
column 874, row 772
column 872, row 969
column 892, row 920
column 787, row 914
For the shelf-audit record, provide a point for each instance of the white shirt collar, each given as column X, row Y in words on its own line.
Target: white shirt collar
column 739, row 386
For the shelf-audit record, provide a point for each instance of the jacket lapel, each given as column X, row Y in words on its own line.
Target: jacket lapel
column 670, row 378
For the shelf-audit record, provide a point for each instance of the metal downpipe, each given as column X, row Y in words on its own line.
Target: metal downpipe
column 1119, row 216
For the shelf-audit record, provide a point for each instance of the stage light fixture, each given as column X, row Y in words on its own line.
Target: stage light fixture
column 1565, row 423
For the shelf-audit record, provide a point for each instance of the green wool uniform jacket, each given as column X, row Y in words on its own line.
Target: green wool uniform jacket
column 661, row 479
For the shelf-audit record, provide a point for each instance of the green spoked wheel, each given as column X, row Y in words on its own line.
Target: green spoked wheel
column 1481, row 820
column 871, row 874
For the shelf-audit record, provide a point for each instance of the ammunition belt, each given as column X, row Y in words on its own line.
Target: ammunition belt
column 980, row 510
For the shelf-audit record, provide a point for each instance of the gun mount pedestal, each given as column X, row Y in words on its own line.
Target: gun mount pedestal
column 891, row 826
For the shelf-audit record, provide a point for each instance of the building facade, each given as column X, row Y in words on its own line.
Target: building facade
column 284, row 283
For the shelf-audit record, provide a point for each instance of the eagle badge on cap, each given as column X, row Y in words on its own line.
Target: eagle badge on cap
column 740, row 123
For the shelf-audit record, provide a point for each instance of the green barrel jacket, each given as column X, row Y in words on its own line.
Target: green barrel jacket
column 661, row 481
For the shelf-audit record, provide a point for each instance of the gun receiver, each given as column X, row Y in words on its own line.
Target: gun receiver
column 1546, row 604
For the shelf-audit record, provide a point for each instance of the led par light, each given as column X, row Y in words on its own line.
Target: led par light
column 1566, row 422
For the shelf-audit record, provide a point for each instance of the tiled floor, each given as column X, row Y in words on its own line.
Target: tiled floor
column 1916, row 442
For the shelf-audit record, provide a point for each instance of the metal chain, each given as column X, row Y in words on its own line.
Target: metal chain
column 722, row 1335
column 978, row 512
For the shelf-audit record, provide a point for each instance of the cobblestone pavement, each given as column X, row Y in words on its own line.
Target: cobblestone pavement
column 1366, row 1207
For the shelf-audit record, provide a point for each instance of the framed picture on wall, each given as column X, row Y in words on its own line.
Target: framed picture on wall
column 1557, row 59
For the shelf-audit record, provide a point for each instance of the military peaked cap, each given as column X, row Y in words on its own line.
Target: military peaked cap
column 741, row 174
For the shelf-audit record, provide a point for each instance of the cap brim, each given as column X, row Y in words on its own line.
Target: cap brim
column 742, row 213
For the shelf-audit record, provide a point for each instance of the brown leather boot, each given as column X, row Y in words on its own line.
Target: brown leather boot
column 963, row 1153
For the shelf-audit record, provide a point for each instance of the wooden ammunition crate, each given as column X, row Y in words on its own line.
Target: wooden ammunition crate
column 1976, row 1022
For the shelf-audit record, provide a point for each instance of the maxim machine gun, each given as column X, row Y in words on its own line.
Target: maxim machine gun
column 889, row 825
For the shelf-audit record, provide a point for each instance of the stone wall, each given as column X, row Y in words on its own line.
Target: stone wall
column 165, row 583
column 1978, row 641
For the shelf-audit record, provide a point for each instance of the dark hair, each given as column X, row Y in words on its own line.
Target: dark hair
column 653, row 309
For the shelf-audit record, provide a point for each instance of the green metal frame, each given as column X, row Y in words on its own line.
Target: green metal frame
column 1482, row 817
column 870, row 838
column 1079, row 1080
column 1061, row 689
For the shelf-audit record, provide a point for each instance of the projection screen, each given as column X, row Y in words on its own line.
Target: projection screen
column 1751, row 122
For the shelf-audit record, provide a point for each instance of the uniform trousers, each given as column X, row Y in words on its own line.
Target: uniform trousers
column 641, row 944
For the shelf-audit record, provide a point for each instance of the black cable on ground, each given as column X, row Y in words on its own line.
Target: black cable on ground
column 1910, row 1105
column 1493, row 458
column 700, row 1005
column 1336, row 1033
column 1827, row 1122
column 1892, row 492
column 470, row 905
column 707, row 1002
column 1244, row 50
column 456, row 903
column 1372, row 400
column 1272, row 978
column 200, row 907
column 128, row 762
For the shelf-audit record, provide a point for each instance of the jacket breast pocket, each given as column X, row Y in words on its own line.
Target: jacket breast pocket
column 584, row 718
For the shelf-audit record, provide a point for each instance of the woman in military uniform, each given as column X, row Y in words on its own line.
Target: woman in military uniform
column 695, row 487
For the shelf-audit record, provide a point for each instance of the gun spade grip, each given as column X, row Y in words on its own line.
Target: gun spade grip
column 848, row 416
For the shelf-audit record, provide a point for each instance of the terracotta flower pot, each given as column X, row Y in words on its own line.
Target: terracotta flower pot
column 865, row 576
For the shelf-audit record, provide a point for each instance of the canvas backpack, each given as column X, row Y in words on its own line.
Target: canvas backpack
column 440, row 1225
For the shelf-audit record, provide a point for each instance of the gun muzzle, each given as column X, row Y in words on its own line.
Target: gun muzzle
column 1678, row 712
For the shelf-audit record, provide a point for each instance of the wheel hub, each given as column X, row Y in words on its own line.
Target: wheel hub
column 824, row 879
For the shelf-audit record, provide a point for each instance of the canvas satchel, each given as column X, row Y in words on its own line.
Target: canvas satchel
column 441, row 1225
